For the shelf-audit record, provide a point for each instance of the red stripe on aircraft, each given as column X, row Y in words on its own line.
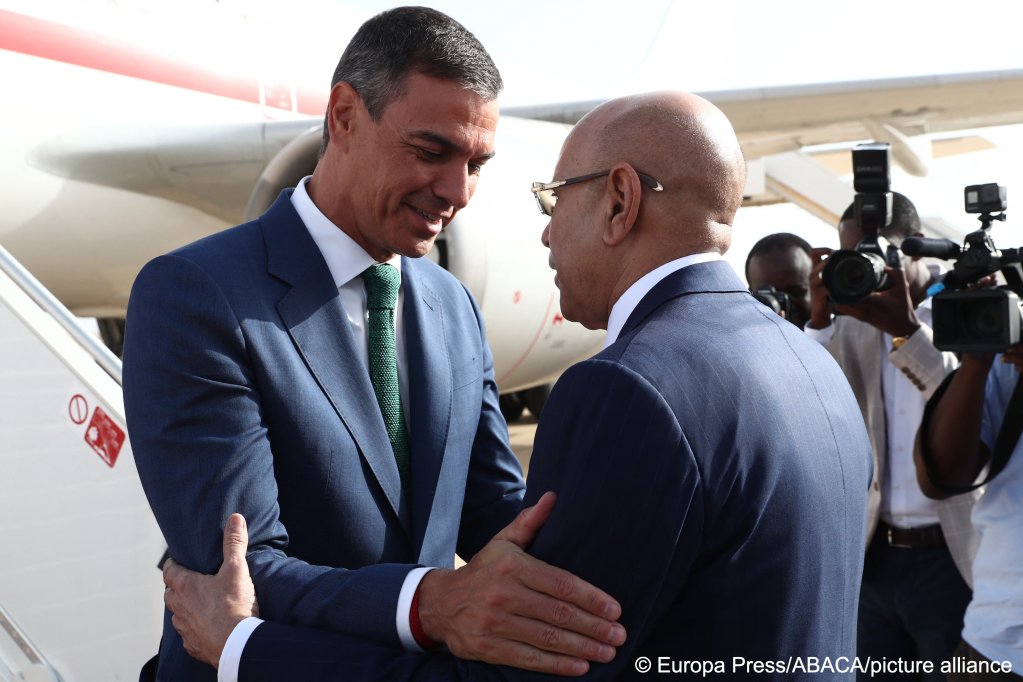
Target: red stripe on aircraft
column 49, row 40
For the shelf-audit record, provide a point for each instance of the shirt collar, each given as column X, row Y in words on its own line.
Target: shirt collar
column 345, row 259
column 628, row 301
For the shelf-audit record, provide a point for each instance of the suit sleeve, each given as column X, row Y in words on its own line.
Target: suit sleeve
column 494, row 486
column 924, row 364
column 197, row 429
column 629, row 519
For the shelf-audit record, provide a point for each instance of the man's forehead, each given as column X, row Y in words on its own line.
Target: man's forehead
column 572, row 155
column 781, row 257
column 849, row 231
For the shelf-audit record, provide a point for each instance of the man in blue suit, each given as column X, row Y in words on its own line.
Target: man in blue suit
column 710, row 464
column 247, row 382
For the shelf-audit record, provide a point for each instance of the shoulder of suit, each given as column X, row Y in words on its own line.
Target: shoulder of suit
column 233, row 242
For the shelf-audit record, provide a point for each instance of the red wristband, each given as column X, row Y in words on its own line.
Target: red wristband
column 417, row 627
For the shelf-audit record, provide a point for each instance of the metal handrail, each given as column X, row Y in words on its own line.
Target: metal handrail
column 28, row 648
column 49, row 303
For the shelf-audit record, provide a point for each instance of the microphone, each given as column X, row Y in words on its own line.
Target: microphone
column 945, row 249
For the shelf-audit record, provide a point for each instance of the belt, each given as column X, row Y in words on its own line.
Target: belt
column 924, row 537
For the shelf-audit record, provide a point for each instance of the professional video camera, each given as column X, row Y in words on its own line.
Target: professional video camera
column 977, row 320
column 778, row 301
column 852, row 274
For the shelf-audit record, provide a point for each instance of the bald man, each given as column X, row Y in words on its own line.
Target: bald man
column 710, row 464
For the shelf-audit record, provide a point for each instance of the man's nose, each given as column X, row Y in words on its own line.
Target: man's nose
column 456, row 185
column 545, row 236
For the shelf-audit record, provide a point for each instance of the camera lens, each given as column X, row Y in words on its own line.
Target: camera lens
column 984, row 320
column 850, row 276
column 778, row 301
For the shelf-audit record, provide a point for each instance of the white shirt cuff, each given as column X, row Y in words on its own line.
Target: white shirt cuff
column 231, row 656
column 401, row 618
column 821, row 336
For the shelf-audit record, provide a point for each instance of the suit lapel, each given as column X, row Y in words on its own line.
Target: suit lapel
column 319, row 328
column 430, row 392
column 713, row 277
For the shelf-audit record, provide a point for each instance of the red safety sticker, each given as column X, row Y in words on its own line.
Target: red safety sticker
column 105, row 437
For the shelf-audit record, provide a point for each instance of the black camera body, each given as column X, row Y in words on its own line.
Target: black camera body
column 778, row 301
column 977, row 320
column 987, row 320
column 851, row 275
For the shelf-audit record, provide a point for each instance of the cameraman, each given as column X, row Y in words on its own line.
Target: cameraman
column 782, row 260
column 961, row 433
column 913, row 595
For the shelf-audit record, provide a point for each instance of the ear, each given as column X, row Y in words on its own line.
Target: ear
column 342, row 107
column 623, row 194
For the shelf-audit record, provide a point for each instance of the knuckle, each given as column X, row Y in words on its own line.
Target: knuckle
column 563, row 586
column 532, row 660
column 507, row 564
column 492, row 599
column 550, row 637
column 563, row 614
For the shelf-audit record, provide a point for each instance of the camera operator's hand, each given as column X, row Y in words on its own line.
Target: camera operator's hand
column 891, row 310
column 820, row 312
column 1015, row 356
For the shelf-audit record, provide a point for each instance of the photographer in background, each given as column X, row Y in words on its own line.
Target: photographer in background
column 961, row 434
column 916, row 569
column 778, row 274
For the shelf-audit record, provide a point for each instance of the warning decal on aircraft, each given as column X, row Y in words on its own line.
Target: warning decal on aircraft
column 105, row 437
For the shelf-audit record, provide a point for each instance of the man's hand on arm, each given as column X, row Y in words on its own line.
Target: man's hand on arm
column 207, row 608
column 506, row 607
column 1015, row 356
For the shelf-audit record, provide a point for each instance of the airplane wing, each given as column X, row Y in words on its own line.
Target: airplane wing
column 788, row 118
column 217, row 169
column 233, row 172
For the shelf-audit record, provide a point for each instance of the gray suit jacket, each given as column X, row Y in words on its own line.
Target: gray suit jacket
column 859, row 348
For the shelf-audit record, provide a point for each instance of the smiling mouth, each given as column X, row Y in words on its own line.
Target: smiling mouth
column 428, row 217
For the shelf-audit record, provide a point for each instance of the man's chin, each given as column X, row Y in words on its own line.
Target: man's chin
column 419, row 248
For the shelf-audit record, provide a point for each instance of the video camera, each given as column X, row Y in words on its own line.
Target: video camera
column 975, row 320
column 851, row 275
column 778, row 301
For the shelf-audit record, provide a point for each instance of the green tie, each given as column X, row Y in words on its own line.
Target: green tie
column 382, row 282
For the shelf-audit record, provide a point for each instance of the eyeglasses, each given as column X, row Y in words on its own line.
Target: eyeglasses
column 546, row 199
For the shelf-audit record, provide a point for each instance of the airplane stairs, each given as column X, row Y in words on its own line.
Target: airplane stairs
column 80, row 594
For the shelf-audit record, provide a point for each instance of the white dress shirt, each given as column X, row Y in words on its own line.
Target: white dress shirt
column 346, row 260
column 628, row 301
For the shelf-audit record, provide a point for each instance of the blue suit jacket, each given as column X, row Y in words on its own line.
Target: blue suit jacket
column 712, row 470
column 243, row 393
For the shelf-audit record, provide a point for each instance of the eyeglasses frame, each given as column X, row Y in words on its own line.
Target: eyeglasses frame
column 539, row 187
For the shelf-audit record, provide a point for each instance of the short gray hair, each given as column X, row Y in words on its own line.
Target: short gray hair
column 400, row 41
